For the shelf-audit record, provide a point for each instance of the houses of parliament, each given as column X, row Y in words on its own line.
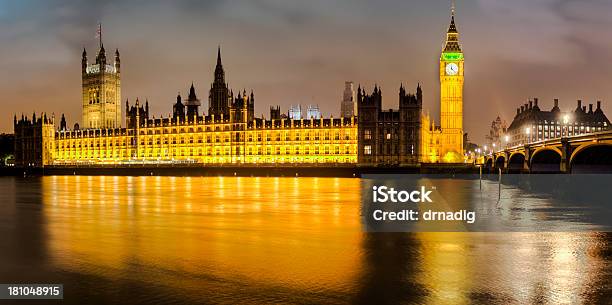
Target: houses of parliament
column 229, row 132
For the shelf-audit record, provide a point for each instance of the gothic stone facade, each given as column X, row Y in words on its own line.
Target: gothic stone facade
column 389, row 137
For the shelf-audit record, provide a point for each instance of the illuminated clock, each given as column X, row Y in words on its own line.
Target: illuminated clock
column 452, row 69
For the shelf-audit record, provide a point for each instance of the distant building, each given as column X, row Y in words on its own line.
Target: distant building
column 498, row 129
column 348, row 108
column 295, row 112
column 313, row 112
column 275, row 113
column 531, row 124
column 470, row 148
column 389, row 137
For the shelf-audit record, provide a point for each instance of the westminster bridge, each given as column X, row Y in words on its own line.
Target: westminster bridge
column 586, row 153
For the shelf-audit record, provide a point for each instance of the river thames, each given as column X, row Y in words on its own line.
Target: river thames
column 249, row 240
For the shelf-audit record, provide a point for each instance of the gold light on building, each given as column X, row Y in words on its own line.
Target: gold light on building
column 444, row 143
column 212, row 142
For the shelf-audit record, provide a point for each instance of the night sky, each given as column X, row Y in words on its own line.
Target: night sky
column 293, row 52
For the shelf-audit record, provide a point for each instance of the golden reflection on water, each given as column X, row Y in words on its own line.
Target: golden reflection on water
column 303, row 234
column 286, row 231
column 523, row 268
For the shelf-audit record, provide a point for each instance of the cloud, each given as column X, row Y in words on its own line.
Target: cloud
column 527, row 31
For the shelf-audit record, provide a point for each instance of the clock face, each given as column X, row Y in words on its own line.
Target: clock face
column 452, row 69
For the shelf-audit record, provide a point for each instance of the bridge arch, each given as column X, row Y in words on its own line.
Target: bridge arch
column 592, row 158
column 488, row 163
column 545, row 159
column 500, row 161
column 516, row 161
column 553, row 148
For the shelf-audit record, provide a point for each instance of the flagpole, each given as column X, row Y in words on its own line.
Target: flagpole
column 100, row 33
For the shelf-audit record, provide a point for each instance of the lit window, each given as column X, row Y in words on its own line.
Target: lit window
column 367, row 150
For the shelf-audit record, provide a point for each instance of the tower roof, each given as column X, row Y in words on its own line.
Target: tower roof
column 452, row 35
column 192, row 99
column 219, row 73
column 452, row 28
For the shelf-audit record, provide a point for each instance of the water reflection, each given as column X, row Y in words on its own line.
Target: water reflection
column 272, row 240
column 259, row 230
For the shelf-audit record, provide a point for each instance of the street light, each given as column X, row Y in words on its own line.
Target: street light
column 528, row 131
column 566, row 119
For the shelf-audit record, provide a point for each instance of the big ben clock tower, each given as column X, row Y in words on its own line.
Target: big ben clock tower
column 451, row 96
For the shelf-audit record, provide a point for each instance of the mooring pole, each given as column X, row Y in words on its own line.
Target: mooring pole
column 499, row 184
column 480, row 179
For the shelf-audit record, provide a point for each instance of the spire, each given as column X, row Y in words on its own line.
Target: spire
column 219, row 73
column 117, row 62
column 452, row 28
column 84, row 61
column 99, row 35
column 452, row 35
column 101, row 57
column 192, row 91
column 192, row 98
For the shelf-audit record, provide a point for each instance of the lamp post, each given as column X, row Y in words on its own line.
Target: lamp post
column 506, row 139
